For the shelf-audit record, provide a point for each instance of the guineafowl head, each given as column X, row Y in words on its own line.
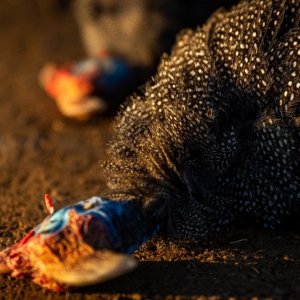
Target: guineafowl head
column 80, row 244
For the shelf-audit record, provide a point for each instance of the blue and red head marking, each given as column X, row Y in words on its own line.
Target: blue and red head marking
column 103, row 218
column 115, row 220
column 95, row 230
column 87, row 87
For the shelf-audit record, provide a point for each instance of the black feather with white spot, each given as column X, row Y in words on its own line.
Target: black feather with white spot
column 216, row 132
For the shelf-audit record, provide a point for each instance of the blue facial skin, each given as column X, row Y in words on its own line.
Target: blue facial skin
column 112, row 72
column 122, row 220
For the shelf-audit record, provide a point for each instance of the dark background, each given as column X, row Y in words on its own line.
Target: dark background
column 41, row 152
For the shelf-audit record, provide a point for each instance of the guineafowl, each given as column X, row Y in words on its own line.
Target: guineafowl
column 212, row 137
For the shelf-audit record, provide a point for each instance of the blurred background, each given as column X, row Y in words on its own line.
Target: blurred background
column 36, row 32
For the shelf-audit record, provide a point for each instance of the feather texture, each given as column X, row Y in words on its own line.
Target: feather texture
column 216, row 132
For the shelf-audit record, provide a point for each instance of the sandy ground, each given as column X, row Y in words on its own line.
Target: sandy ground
column 41, row 152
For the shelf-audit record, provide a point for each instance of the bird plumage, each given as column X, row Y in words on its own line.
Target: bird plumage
column 215, row 133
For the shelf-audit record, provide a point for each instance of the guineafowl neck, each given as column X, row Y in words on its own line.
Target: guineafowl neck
column 129, row 225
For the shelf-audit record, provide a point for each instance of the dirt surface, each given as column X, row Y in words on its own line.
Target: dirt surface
column 41, row 152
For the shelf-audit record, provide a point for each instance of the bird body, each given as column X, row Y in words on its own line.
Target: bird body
column 213, row 136
column 216, row 132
